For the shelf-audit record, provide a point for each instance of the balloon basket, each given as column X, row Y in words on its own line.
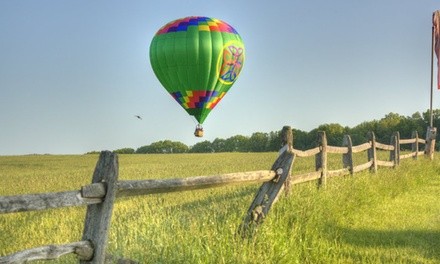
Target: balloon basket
column 199, row 131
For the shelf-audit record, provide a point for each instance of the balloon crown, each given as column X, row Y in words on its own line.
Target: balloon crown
column 202, row 23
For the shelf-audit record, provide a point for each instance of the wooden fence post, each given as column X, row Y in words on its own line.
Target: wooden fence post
column 372, row 154
column 394, row 154
column 98, row 217
column 287, row 142
column 269, row 191
column 431, row 134
column 415, row 145
column 321, row 158
column 347, row 158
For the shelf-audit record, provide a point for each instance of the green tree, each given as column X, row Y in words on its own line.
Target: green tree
column 179, row 147
column 124, row 151
column 258, row 142
column 359, row 133
column 164, row 146
column 435, row 117
column 334, row 133
column 142, row 150
column 219, row 145
column 168, row 146
column 274, row 143
column 202, row 147
column 237, row 143
column 301, row 140
column 387, row 126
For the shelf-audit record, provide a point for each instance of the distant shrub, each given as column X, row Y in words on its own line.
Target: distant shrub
column 164, row 146
column 93, row 152
column 124, row 151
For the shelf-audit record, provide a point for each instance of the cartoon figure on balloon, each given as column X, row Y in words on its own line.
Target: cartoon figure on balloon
column 233, row 58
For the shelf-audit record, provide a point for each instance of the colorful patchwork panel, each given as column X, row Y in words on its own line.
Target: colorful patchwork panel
column 203, row 24
column 198, row 99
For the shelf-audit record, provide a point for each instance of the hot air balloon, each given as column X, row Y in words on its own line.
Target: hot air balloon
column 197, row 60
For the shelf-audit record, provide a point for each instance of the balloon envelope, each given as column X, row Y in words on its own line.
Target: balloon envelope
column 197, row 60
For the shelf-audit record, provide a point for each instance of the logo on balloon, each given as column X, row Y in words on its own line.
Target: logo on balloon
column 231, row 62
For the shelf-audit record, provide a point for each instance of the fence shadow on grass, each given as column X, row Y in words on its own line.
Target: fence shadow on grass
column 426, row 242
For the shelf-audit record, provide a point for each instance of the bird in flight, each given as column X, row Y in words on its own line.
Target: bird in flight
column 139, row 117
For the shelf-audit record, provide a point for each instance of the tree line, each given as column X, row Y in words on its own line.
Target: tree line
column 266, row 142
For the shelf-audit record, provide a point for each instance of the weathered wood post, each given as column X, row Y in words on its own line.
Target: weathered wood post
column 321, row 158
column 394, row 154
column 397, row 135
column 269, row 191
column 286, row 144
column 431, row 134
column 372, row 154
column 347, row 158
column 415, row 145
column 98, row 216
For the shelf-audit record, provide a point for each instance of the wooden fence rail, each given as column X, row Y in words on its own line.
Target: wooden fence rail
column 100, row 195
column 95, row 192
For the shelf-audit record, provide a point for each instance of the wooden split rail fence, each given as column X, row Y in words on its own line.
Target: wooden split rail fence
column 100, row 195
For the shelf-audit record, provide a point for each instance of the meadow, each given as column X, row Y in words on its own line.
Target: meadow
column 392, row 216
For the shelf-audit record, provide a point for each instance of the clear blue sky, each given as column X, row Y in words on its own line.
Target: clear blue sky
column 74, row 73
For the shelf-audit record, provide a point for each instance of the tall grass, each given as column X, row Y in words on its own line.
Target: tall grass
column 389, row 217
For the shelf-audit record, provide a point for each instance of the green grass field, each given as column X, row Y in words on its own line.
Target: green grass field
column 389, row 217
